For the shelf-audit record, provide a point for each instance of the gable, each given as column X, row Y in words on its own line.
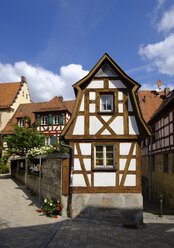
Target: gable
column 106, row 71
column 106, row 105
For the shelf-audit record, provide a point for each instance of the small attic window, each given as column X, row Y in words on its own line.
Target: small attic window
column 21, row 123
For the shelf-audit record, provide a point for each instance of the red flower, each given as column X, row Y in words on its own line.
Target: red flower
column 58, row 208
column 55, row 216
column 58, row 205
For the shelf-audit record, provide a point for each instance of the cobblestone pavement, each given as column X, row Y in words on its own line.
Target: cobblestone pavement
column 22, row 226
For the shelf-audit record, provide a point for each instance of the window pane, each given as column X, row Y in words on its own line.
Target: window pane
column 109, row 162
column 99, row 162
column 109, row 148
column 99, row 155
column 109, row 155
column 99, row 148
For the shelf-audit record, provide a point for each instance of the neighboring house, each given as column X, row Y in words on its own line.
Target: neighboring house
column 51, row 117
column 11, row 96
column 105, row 131
column 158, row 154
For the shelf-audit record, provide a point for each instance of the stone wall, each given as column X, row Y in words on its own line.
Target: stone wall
column 51, row 179
column 120, row 208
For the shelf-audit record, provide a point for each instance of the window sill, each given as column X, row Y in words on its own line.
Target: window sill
column 106, row 113
column 104, row 169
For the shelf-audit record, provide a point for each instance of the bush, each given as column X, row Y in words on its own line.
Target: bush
column 4, row 165
column 50, row 208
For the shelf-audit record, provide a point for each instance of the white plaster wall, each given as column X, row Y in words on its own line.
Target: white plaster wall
column 97, row 84
column 82, row 104
column 120, row 95
column 117, row 125
column 77, row 164
column 78, row 180
column 114, row 84
column 92, row 95
column 125, row 148
column 92, row 108
column 104, row 179
column 85, row 148
column 122, row 163
column 133, row 128
column 132, row 165
column 79, row 126
column 106, row 132
column 106, row 117
column 130, row 180
column 120, row 108
column 87, row 163
column 94, row 125
column 89, row 178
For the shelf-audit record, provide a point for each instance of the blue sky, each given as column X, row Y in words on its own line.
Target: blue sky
column 54, row 43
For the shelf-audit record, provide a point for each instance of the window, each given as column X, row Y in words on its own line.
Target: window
column 106, row 103
column 104, row 156
column 56, row 119
column 48, row 141
column 21, row 123
column 44, row 120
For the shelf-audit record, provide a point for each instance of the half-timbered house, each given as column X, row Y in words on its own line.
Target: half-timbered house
column 51, row 117
column 105, row 131
column 158, row 153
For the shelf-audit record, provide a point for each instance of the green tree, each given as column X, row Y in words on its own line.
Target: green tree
column 23, row 138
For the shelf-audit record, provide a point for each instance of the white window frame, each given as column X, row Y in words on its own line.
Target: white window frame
column 44, row 120
column 56, row 119
column 47, row 141
column 104, row 156
column 112, row 102
column 21, row 123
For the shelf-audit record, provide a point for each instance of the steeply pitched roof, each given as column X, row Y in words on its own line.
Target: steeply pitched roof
column 149, row 102
column 8, row 92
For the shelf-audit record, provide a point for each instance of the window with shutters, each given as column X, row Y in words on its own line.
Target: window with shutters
column 104, row 156
column 44, row 120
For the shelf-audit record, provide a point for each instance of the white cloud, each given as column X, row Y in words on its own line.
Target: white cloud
column 167, row 21
column 43, row 84
column 161, row 53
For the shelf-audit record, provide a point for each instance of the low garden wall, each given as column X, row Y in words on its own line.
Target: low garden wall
column 49, row 182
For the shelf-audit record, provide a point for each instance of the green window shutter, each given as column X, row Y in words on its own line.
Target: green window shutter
column 38, row 119
column 53, row 140
column 61, row 119
column 50, row 119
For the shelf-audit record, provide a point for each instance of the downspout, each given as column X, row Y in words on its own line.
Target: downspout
column 150, row 168
column 70, row 174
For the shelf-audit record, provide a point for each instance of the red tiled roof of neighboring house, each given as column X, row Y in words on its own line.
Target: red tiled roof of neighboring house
column 53, row 105
column 8, row 92
column 165, row 106
column 28, row 110
column 70, row 105
column 149, row 102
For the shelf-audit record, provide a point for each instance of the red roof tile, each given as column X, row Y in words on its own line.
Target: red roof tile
column 149, row 102
column 8, row 92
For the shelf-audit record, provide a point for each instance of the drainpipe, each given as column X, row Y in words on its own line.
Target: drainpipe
column 40, row 176
column 70, row 174
column 150, row 169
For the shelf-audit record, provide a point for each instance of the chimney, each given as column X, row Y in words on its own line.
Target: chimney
column 167, row 92
column 61, row 98
column 23, row 79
